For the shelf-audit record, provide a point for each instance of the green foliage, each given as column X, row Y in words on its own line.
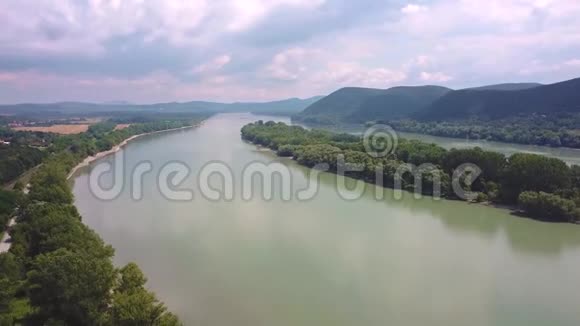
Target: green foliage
column 16, row 159
column 502, row 179
column 16, row 310
column 134, row 305
column 548, row 206
column 60, row 272
column 11, row 276
column 73, row 287
column 417, row 152
column 287, row 150
column 131, row 278
column 529, row 172
column 555, row 130
column 49, row 185
column 8, row 202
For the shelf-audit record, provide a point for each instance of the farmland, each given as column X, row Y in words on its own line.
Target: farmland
column 64, row 129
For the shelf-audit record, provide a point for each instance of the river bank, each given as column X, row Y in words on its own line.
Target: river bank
column 88, row 160
column 512, row 209
column 218, row 263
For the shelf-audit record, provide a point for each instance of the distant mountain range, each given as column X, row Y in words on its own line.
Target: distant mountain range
column 359, row 105
column 435, row 103
column 288, row 106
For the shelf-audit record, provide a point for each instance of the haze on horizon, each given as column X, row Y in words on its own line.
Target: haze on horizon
column 259, row 50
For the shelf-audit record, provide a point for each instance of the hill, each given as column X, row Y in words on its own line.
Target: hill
column 507, row 87
column 339, row 104
column 288, row 106
column 397, row 102
column 495, row 104
column 355, row 104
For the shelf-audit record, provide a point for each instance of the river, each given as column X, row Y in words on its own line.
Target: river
column 328, row 261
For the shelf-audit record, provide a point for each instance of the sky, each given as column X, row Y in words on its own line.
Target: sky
column 258, row 50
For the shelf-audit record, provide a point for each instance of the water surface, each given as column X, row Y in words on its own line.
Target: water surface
column 328, row 261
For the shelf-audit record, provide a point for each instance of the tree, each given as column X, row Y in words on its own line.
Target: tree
column 133, row 305
column 530, row 172
column 49, row 185
column 72, row 287
column 548, row 206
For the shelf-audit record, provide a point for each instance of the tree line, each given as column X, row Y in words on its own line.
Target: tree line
column 542, row 187
column 28, row 149
column 59, row 271
column 558, row 130
column 16, row 159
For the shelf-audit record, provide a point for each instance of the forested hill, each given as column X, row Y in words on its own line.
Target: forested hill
column 354, row 104
column 494, row 104
column 288, row 106
column 359, row 105
column 340, row 103
column 397, row 102
column 507, row 87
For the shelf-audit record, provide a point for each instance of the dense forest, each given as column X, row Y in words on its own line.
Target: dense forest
column 8, row 202
column 559, row 130
column 58, row 271
column 356, row 104
column 16, row 159
column 497, row 104
column 543, row 188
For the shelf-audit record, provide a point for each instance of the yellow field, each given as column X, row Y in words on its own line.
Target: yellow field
column 58, row 129
column 122, row 126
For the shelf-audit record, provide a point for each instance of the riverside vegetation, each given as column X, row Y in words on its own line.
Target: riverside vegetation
column 544, row 188
column 60, row 272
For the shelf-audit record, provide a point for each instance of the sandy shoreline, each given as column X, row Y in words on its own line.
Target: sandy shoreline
column 88, row 160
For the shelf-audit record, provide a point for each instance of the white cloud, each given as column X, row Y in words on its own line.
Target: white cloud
column 292, row 63
column 413, row 9
column 216, row 64
column 573, row 63
column 538, row 66
column 436, row 41
column 439, row 77
column 246, row 13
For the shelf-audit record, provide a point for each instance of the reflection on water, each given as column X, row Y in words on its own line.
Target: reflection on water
column 328, row 261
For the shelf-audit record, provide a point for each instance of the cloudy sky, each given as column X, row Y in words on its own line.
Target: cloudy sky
column 239, row 50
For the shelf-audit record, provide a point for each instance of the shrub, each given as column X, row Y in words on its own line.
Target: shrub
column 548, row 206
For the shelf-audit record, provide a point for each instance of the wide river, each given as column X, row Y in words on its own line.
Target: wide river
column 327, row 261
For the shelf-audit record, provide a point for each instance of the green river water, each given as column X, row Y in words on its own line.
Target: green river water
column 329, row 261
